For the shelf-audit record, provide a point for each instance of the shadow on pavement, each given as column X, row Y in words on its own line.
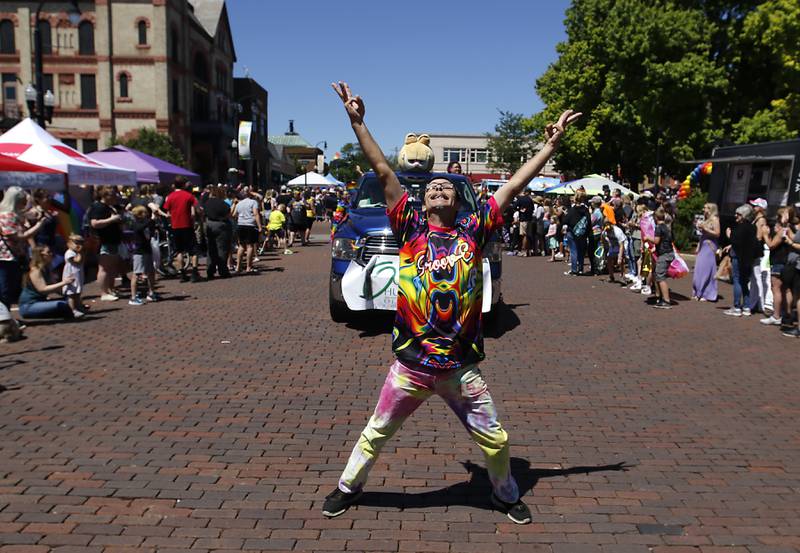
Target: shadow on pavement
column 45, row 348
column 503, row 319
column 371, row 323
column 476, row 492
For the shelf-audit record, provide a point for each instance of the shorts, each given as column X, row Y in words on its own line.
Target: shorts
column 73, row 289
column 613, row 251
column 109, row 249
column 776, row 269
column 247, row 235
column 294, row 227
column 184, row 240
column 276, row 232
column 142, row 263
column 524, row 227
column 662, row 264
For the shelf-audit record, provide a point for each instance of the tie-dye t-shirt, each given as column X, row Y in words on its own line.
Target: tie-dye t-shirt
column 438, row 322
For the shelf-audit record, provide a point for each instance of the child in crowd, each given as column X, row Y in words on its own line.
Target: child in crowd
column 277, row 220
column 73, row 267
column 143, row 228
column 616, row 242
column 552, row 232
column 662, row 240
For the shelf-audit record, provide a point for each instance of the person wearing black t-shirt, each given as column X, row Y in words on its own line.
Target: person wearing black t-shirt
column 525, row 206
column 662, row 239
column 106, row 221
column 218, row 232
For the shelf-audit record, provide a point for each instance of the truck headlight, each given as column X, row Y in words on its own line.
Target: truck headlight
column 493, row 251
column 344, row 248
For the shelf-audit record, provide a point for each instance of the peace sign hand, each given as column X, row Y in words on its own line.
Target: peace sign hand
column 354, row 105
column 554, row 131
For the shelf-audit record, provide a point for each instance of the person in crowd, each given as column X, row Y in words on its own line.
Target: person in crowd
column 743, row 249
column 595, row 244
column 616, row 243
column 105, row 220
column 552, row 237
column 538, row 223
column 665, row 255
column 779, row 250
column 73, row 267
column 14, row 236
column 181, row 205
column 525, row 206
column 437, row 354
column 633, row 237
column 578, row 224
column 454, row 167
column 297, row 219
column 760, row 299
column 704, row 279
column 791, row 276
column 44, row 209
column 248, row 228
column 275, row 229
column 143, row 228
column 218, row 233
column 33, row 302
column 310, row 216
column 642, row 269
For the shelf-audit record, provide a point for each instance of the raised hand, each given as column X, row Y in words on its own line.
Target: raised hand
column 354, row 105
column 554, row 131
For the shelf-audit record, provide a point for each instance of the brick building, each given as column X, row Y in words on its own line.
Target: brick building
column 127, row 64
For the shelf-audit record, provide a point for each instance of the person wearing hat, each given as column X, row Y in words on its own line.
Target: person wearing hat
column 437, row 336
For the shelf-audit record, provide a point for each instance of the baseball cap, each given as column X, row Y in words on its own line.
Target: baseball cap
column 759, row 202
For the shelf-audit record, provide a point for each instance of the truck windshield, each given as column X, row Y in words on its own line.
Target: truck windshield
column 370, row 193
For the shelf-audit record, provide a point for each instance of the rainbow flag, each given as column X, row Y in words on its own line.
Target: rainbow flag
column 70, row 223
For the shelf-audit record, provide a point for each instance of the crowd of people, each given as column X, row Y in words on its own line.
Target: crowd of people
column 631, row 240
column 132, row 236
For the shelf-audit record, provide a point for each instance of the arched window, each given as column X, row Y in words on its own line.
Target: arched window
column 200, row 67
column 47, row 39
column 86, row 38
column 123, row 85
column 142, row 26
column 7, row 45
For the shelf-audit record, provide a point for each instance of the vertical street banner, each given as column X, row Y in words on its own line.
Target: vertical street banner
column 245, row 131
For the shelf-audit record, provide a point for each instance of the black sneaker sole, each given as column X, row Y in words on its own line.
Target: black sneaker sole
column 332, row 514
column 504, row 508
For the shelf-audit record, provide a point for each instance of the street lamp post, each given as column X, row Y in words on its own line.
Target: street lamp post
column 41, row 102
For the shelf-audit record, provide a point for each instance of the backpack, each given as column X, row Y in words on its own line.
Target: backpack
column 298, row 212
column 581, row 226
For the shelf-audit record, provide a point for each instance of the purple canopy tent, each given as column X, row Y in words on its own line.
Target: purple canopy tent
column 148, row 169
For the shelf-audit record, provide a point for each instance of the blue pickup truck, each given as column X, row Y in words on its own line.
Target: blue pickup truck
column 364, row 252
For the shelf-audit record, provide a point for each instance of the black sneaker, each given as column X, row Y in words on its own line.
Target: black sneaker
column 337, row 502
column 518, row 512
column 196, row 277
column 792, row 332
column 661, row 304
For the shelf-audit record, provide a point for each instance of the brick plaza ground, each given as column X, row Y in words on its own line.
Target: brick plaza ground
column 632, row 429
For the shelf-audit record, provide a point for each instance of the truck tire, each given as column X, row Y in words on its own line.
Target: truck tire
column 339, row 311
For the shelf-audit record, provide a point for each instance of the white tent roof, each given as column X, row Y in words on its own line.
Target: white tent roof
column 333, row 180
column 593, row 186
column 309, row 179
column 29, row 142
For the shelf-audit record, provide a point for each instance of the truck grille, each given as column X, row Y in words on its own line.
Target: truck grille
column 380, row 244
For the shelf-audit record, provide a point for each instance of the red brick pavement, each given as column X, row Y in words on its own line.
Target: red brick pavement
column 140, row 430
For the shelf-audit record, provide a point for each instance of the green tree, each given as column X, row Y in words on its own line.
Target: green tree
column 512, row 143
column 670, row 78
column 352, row 160
column 156, row 144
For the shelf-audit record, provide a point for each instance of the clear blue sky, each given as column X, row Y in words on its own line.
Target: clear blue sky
column 435, row 66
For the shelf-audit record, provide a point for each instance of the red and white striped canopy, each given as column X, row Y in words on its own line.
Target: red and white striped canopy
column 28, row 142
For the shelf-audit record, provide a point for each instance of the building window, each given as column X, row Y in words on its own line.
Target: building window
column 200, row 110
column 47, row 39
column 71, row 142
column 176, row 96
column 455, row 154
column 142, row 26
column 89, row 145
column 7, row 45
column 88, row 92
column 9, row 92
column 86, row 38
column 200, row 68
column 176, row 48
column 478, row 155
column 123, row 85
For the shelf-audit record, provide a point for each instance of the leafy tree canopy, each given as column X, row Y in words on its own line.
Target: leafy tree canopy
column 512, row 142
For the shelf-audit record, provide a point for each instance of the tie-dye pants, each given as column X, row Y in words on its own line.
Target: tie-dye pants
column 465, row 392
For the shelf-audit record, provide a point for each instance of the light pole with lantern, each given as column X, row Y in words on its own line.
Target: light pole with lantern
column 41, row 102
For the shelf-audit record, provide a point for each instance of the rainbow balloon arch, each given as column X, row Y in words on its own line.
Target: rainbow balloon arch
column 693, row 179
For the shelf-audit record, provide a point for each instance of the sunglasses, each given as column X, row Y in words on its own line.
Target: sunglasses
column 440, row 188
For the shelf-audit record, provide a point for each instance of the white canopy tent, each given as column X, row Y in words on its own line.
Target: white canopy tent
column 333, row 180
column 309, row 179
column 29, row 142
column 593, row 185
